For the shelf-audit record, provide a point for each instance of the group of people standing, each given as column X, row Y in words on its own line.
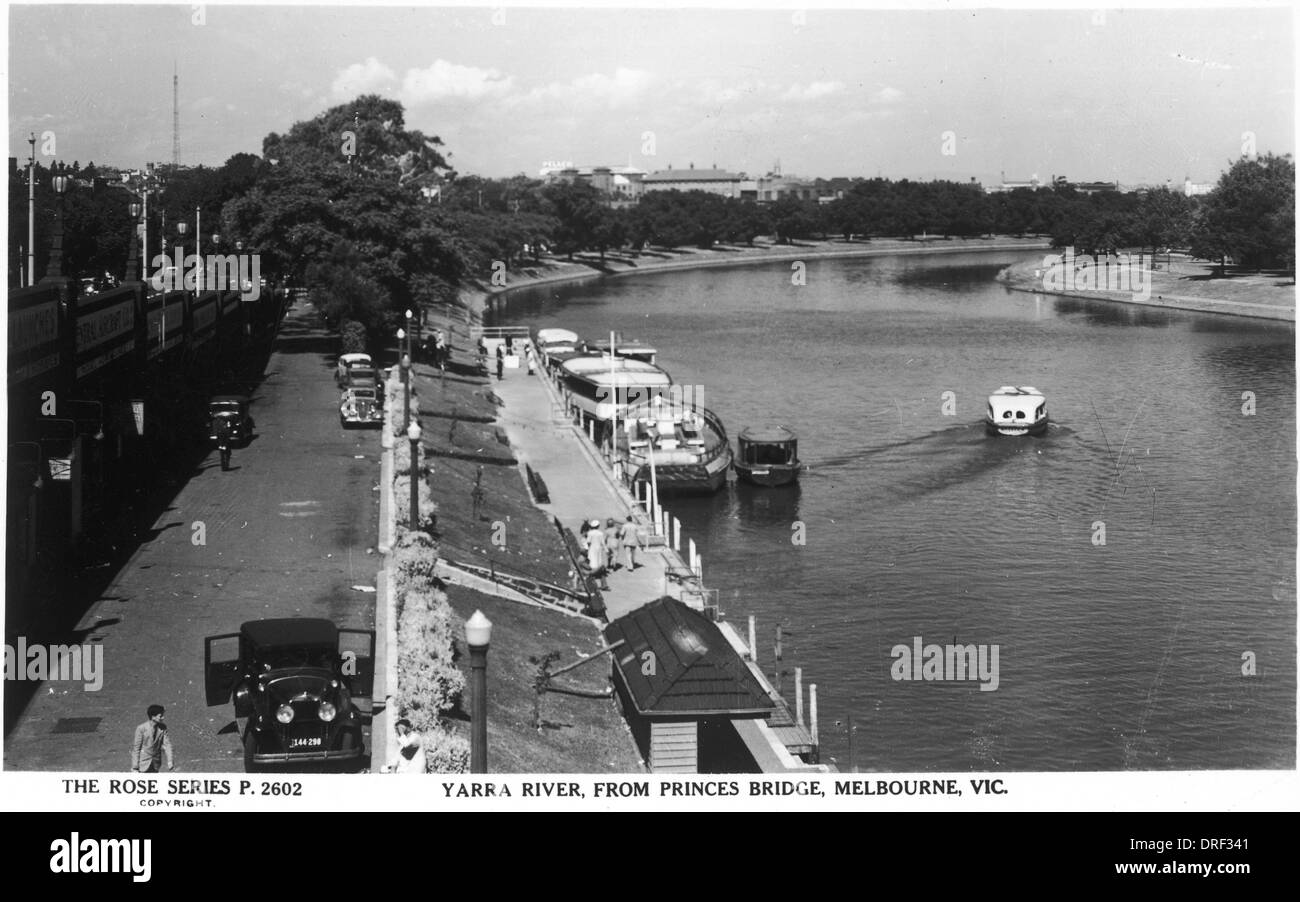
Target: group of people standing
column 602, row 545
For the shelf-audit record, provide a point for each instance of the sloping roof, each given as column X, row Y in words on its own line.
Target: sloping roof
column 691, row 668
column 692, row 175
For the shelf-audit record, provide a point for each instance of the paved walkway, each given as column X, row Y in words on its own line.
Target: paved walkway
column 579, row 483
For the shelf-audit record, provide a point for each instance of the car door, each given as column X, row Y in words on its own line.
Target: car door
column 220, row 666
column 357, row 660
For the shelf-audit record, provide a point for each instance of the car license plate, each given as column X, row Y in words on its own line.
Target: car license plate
column 299, row 742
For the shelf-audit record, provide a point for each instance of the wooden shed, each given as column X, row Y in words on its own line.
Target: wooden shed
column 682, row 685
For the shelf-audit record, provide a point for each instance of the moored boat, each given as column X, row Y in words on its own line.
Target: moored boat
column 767, row 455
column 600, row 388
column 1017, row 410
column 627, row 347
column 687, row 446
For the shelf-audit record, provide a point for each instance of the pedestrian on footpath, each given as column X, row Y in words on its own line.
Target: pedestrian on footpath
column 410, row 757
column 631, row 537
column 532, row 359
column 152, row 747
column 501, row 362
column 596, row 554
column 611, row 544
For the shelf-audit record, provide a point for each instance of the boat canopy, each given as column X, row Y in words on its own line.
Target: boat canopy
column 768, row 435
column 555, row 336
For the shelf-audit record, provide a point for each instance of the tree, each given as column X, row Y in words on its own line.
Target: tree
column 1244, row 216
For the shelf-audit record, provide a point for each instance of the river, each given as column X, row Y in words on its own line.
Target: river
column 1170, row 646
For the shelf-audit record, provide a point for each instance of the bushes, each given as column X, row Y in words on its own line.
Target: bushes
column 353, row 335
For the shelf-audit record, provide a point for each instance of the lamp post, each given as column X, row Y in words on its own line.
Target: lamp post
column 198, row 249
column 178, row 265
column 133, row 255
column 413, row 434
column 31, row 212
column 54, row 269
column 478, row 635
column 406, row 364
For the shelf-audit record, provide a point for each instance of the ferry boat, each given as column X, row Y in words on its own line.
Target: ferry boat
column 1017, row 410
column 767, row 455
column 601, row 387
column 687, row 444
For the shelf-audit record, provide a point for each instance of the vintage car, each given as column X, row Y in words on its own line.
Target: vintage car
column 232, row 409
column 294, row 679
column 361, row 407
column 346, row 362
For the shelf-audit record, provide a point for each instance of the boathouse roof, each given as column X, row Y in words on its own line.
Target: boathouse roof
column 675, row 662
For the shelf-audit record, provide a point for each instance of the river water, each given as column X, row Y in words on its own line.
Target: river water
column 1117, row 656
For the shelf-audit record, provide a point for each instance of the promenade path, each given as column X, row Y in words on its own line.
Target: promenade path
column 579, row 483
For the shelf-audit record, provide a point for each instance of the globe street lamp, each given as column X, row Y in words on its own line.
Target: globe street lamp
column 133, row 256
column 413, row 434
column 178, row 275
column 478, row 635
column 54, row 269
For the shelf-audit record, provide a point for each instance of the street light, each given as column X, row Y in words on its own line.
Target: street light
column 133, row 255
column 413, row 434
column 178, row 277
column 406, row 367
column 478, row 635
column 54, row 269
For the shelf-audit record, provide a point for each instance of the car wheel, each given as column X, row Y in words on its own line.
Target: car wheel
column 250, row 749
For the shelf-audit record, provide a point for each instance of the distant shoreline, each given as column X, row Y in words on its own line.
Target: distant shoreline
column 1174, row 290
column 554, row 272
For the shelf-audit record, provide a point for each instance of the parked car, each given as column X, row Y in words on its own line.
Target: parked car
column 234, row 410
column 360, row 407
column 294, row 679
column 346, row 362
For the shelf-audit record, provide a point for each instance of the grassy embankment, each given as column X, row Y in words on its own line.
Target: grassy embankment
column 575, row 734
column 1186, row 284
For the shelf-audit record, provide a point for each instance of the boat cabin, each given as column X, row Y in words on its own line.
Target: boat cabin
column 1017, row 410
column 768, row 455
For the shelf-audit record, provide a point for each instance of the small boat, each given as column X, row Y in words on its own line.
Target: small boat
column 687, row 444
column 628, row 347
column 768, row 455
column 1017, row 410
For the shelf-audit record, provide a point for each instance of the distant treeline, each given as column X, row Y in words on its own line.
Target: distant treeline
column 373, row 219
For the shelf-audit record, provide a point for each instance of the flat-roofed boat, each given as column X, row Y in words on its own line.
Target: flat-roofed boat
column 601, row 387
column 628, row 347
column 688, row 446
column 767, row 455
column 1017, row 410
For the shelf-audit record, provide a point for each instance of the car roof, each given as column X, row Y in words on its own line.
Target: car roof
column 229, row 399
column 284, row 632
column 354, row 357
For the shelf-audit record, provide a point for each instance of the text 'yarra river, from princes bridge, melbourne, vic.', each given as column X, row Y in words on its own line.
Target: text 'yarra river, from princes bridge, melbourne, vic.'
column 1170, row 646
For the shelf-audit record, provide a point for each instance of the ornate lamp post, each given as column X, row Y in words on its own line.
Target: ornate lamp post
column 413, row 434
column 198, row 249
column 478, row 635
column 133, row 255
column 178, row 265
column 54, row 269
column 406, row 368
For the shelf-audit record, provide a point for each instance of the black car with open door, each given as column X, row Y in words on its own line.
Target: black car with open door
column 295, row 680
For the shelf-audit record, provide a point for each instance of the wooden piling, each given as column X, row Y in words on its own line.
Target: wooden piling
column 778, row 642
column 691, row 560
column 798, row 696
column 812, row 714
column 677, row 534
column 753, row 641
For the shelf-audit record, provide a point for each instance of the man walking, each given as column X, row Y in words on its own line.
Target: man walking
column 223, row 441
column 152, row 747
column 631, row 537
column 611, row 543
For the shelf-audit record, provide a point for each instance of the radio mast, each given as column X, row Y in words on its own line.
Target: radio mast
column 176, row 118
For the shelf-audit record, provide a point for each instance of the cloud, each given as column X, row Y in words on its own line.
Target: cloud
column 370, row 77
column 886, row 95
column 815, row 91
column 450, row 81
column 624, row 88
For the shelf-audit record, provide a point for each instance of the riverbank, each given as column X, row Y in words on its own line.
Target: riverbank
column 590, row 266
column 1183, row 284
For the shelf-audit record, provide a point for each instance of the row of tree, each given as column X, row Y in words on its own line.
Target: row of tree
column 371, row 217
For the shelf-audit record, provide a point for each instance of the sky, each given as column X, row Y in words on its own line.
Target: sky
column 1138, row 96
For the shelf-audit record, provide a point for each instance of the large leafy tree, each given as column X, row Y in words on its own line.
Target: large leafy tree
column 1250, row 214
